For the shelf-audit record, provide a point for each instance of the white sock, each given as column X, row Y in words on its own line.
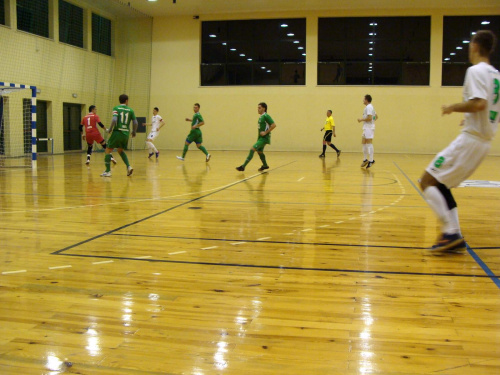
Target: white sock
column 148, row 145
column 365, row 151
column 455, row 222
column 438, row 204
column 370, row 151
column 153, row 147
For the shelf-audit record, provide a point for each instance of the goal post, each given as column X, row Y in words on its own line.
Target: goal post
column 17, row 125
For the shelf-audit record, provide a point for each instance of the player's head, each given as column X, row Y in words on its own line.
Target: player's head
column 483, row 43
column 123, row 99
column 261, row 108
column 155, row 111
column 92, row 109
column 196, row 107
column 329, row 112
column 367, row 99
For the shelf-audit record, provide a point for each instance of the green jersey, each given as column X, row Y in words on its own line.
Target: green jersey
column 264, row 122
column 197, row 118
column 124, row 115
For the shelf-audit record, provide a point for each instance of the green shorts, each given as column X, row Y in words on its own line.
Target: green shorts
column 195, row 136
column 260, row 144
column 118, row 140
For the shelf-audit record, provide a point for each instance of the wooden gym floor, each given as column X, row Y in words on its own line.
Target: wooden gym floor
column 316, row 267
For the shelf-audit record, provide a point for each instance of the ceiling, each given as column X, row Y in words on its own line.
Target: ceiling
column 205, row 7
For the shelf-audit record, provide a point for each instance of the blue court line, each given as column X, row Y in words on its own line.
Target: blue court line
column 472, row 253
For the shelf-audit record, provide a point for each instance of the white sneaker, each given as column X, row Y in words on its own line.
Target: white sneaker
column 106, row 174
column 208, row 157
column 87, row 162
column 181, row 158
column 129, row 170
column 113, row 160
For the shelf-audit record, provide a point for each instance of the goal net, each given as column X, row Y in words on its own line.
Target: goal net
column 17, row 126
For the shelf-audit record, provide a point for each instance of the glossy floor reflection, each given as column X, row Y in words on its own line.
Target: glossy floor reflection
column 316, row 267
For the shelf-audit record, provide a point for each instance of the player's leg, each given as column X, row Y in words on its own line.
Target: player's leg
column 89, row 152
column 365, row 151
column 107, row 162
column 248, row 159
column 186, row 146
column 104, row 146
column 322, row 155
column 264, row 166
column 369, row 147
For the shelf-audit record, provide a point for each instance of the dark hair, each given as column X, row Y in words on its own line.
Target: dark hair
column 198, row 105
column 156, row 109
column 368, row 98
column 123, row 98
column 91, row 108
column 330, row 111
column 263, row 105
column 486, row 41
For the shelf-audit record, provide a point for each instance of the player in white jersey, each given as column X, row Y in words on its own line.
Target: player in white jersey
column 481, row 105
column 156, row 124
column 368, row 120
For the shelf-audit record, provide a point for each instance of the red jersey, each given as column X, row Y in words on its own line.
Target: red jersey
column 90, row 123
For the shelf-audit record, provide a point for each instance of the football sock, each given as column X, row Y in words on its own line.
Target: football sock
column 89, row 150
column 324, row 149
column 185, row 150
column 333, row 146
column 249, row 157
column 148, row 145
column 365, row 152
column 107, row 162
column 124, row 158
column 204, row 150
column 263, row 158
column 437, row 201
column 153, row 147
column 370, row 151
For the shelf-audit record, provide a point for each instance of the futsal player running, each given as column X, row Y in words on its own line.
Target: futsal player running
column 92, row 134
column 156, row 124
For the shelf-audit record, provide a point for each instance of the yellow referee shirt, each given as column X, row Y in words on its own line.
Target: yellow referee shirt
column 329, row 124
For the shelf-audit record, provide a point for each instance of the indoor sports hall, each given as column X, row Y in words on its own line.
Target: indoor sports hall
column 313, row 266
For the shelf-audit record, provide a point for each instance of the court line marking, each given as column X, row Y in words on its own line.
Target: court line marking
column 144, row 257
column 472, row 253
column 209, row 248
column 263, row 238
column 167, row 210
column 107, row 261
column 238, row 243
column 58, row 267
column 11, row 272
column 300, row 179
column 178, row 252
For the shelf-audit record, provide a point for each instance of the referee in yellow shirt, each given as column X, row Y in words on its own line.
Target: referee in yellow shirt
column 329, row 130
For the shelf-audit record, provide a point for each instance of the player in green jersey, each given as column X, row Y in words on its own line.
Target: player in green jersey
column 265, row 125
column 195, row 133
column 123, row 115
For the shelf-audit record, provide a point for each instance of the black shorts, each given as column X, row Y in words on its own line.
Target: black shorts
column 328, row 136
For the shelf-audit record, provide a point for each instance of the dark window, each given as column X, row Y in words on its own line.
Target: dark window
column 374, row 51
column 457, row 32
column 101, row 34
column 70, row 24
column 253, row 52
column 33, row 16
column 2, row 12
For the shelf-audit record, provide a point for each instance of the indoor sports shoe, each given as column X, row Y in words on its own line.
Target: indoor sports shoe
column 321, row 155
column 364, row 163
column 113, row 160
column 208, row 158
column 157, row 154
column 370, row 163
column 240, row 168
column 106, row 174
column 150, row 154
column 264, row 167
column 87, row 162
column 338, row 153
column 449, row 242
column 129, row 170
column 180, row 158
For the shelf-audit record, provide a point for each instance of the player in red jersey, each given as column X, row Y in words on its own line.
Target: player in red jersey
column 92, row 133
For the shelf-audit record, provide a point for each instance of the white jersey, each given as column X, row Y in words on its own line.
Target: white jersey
column 155, row 123
column 369, row 110
column 482, row 81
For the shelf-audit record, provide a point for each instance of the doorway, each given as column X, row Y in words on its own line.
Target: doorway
column 72, row 116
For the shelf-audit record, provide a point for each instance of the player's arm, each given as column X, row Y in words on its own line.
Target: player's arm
column 162, row 123
column 102, row 126
column 80, row 127
column 266, row 132
column 189, row 119
column 365, row 119
column 114, row 120
column 198, row 125
column 470, row 106
column 135, row 125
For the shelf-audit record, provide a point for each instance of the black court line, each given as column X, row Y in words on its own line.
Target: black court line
column 450, row 274
column 58, row 252
column 472, row 253
column 277, row 242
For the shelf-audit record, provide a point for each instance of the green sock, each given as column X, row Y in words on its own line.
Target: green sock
column 204, row 150
column 185, row 150
column 107, row 162
column 125, row 159
column 263, row 158
column 249, row 157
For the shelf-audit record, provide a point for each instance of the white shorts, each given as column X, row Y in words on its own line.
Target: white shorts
column 152, row 136
column 459, row 160
column 368, row 133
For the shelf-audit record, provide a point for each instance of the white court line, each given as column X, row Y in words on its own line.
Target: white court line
column 208, row 248
column 339, row 222
column 237, row 243
column 288, row 234
column 9, row 272
column 306, row 230
column 263, row 238
column 372, row 212
column 105, row 261
column 143, row 257
column 177, row 252
column 57, row 267
column 300, row 179
column 324, row 226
